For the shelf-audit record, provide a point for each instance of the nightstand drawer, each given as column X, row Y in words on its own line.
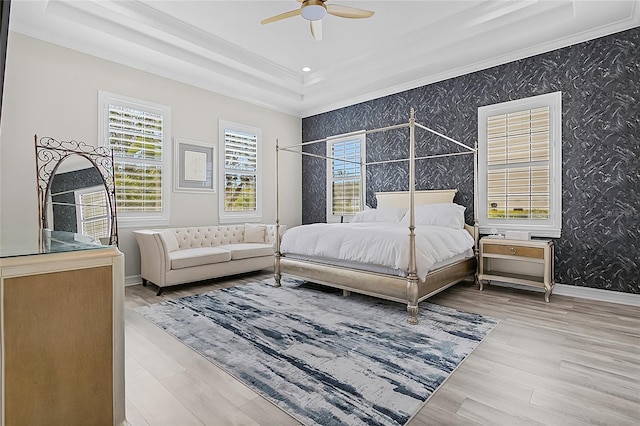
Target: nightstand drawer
column 514, row 250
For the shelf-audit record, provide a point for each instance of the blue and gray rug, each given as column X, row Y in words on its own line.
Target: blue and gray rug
column 323, row 358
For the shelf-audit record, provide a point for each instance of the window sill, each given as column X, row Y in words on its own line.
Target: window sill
column 142, row 222
column 241, row 219
column 535, row 231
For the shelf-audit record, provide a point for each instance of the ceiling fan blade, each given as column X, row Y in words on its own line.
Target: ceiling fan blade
column 348, row 12
column 316, row 29
column 285, row 15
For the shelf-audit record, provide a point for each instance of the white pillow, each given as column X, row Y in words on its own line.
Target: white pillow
column 254, row 233
column 449, row 215
column 170, row 240
column 389, row 214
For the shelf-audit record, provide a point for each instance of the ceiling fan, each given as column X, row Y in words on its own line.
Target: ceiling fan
column 314, row 10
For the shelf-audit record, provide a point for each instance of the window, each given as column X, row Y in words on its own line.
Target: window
column 520, row 166
column 139, row 135
column 345, row 177
column 240, row 180
column 92, row 212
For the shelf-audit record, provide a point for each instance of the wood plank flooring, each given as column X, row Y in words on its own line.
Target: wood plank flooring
column 569, row 362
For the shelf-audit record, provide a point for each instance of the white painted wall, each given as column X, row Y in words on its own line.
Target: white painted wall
column 53, row 91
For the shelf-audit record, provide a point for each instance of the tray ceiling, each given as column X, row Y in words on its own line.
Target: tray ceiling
column 221, row 45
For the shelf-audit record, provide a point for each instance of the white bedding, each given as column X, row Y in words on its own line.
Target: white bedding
column 385, row 244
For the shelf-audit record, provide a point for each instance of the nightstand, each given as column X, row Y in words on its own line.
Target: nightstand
column 526, row 262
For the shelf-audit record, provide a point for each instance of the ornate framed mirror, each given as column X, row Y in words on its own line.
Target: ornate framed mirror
column 76, row 189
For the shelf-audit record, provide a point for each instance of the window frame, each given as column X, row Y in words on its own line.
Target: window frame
column 551, row 227
column 362, row 137
column 135, row 219
column 238, row 217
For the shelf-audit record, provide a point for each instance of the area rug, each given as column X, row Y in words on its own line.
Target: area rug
column 323, row 358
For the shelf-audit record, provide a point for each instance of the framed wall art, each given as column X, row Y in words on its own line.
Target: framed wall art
column 194, row 166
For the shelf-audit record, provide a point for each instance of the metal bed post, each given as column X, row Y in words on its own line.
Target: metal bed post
column 475, row 195
column 476, row 227
column 276, row 268
column 412, row 275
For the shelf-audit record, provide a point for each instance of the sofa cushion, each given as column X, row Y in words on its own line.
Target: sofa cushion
column 244, row 251
column 188, row 258
column 254, row 233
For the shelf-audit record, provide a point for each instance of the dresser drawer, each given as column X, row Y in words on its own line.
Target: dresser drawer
column 514, row 250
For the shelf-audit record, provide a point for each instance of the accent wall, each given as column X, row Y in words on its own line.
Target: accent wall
column 600, row 83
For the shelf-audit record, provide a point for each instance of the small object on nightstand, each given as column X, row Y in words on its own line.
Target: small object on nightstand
column 518, row 235
column 526, row 262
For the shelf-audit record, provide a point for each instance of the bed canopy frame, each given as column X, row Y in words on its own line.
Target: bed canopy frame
column 374, row 284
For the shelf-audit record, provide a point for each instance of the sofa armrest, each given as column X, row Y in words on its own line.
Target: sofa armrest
column 153, row 257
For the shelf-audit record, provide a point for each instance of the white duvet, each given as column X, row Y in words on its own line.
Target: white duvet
column 385, row 244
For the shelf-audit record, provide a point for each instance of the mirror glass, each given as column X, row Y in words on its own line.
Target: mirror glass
column 77, row 200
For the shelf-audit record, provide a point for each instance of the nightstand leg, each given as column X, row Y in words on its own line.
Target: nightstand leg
column 548, row 288
column 547, row 293
column 483, row 283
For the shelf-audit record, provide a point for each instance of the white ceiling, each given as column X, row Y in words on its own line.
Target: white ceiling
column 221, row 45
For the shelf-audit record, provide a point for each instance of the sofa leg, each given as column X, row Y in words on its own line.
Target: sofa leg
column 159, row 292
column 144, row 282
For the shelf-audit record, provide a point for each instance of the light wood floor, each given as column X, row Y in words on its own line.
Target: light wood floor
column 569, row 362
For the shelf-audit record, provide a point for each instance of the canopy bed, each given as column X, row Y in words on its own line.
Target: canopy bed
column 433, row 258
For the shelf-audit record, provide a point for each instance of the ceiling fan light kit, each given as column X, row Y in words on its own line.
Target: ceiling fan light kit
column 315, row 10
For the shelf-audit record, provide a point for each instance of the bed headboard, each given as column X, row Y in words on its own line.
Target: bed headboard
column 401, row 198
column 432, row 196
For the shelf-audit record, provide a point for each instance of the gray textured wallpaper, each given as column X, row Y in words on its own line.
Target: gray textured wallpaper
column 600, row 84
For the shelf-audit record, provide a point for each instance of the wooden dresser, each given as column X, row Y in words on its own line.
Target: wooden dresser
column 62, row 331
column 526, row 262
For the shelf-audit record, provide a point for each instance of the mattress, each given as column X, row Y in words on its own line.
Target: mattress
column 377, row 247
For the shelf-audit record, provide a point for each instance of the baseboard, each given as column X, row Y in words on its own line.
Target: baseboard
column 583, row 293
column 132, row 280
column 598, row 294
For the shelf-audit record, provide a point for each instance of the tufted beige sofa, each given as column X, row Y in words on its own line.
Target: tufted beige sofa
column 182, row 255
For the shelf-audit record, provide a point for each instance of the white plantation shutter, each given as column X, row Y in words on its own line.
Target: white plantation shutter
column 520, row 165
column 94, row 213
column 346, row 188
column 139, row 134
column 241, row 166
column 345, row 181
column 240, row 172
column 136, row 138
